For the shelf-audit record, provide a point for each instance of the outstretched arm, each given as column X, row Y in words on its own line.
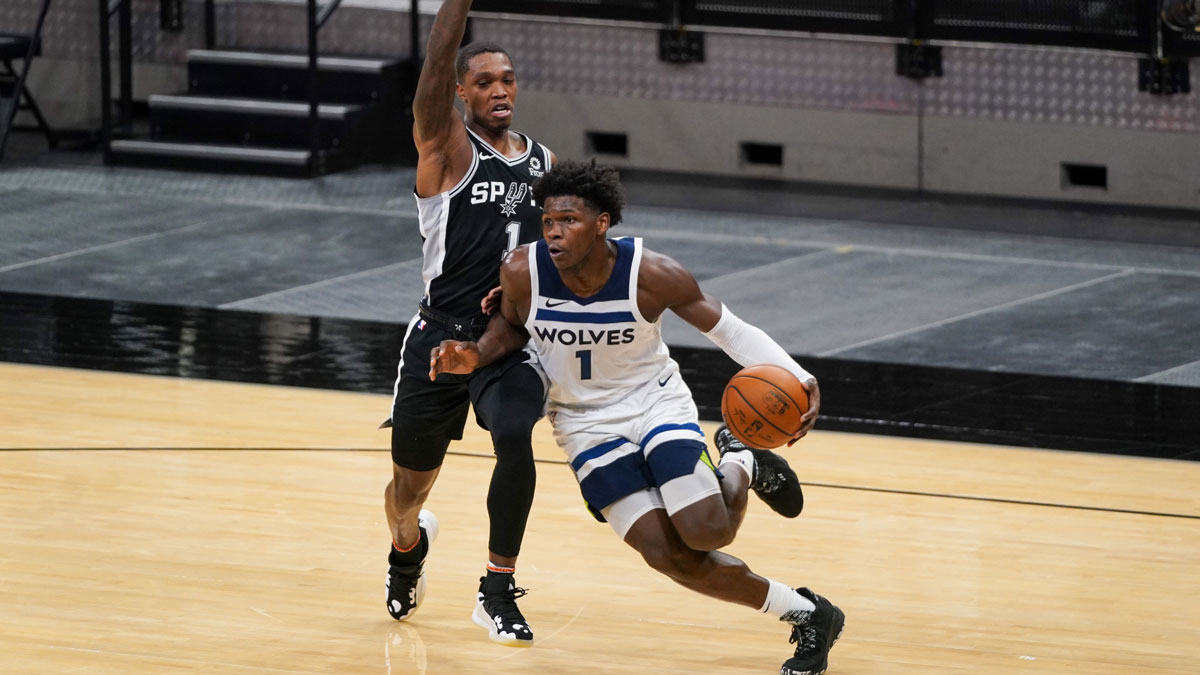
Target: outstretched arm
column 505, row 331
column 443, row 149
column 454, row 356
column 664, row 284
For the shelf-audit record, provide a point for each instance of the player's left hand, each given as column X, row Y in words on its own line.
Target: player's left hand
column 490, row 302
column 452, row 356
column 814, row 408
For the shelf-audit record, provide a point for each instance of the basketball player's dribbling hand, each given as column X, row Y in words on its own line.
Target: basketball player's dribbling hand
column 814, row 408
column 452, row 356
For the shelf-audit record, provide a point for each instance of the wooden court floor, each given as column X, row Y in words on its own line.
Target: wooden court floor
column 167, row 525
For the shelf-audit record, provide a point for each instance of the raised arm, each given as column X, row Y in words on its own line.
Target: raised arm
column 664, row 284
column 443, row 149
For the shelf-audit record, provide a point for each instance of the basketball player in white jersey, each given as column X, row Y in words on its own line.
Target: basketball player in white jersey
column 591, row 306
column 474, row 205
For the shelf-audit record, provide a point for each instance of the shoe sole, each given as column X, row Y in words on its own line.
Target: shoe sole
column 484, row 621
column 428, row 522
column 839, row 620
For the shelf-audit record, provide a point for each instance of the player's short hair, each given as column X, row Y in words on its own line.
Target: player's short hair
column 598, row 185
column 465, row 54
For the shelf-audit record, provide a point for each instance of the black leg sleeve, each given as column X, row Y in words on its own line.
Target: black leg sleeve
column 509, row 407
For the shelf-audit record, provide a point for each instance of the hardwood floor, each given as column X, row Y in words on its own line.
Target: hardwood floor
column 155, row 524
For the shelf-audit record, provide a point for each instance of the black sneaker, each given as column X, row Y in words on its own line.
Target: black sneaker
column 496, row 610
column 774, row 481
column 813, row 633
column 406, row 581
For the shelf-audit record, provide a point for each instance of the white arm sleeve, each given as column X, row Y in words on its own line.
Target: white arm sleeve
column 749, row 345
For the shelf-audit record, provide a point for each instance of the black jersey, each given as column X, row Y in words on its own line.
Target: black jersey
column 469, row 228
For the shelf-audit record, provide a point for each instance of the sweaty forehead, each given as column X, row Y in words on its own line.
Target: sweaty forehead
column 489, row 62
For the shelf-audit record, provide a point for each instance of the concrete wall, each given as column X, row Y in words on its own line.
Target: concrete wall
column 968, row 156
column 1002, row 121
column 1024, row 159
column 818, row 145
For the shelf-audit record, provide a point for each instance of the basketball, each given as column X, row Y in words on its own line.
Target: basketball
column 762, row 406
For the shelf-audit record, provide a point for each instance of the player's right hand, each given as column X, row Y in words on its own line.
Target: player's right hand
column 452, row 356
column 814, row 408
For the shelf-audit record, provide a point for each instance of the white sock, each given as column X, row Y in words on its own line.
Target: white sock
column 782, row 600
column 743, row 459
column 500, row 569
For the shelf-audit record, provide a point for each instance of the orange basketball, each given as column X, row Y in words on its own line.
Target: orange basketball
column 762, row 405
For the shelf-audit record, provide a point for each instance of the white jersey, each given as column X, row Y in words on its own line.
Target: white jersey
column 597, row 350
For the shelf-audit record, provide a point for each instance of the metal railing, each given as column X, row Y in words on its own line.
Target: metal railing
column 124, row 14
column 1129, row 26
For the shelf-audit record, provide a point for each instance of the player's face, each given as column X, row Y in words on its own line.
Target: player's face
column 574, row 232
column 489, row 90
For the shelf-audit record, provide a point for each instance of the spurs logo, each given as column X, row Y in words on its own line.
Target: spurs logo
column 516, row 194
column 493, row 191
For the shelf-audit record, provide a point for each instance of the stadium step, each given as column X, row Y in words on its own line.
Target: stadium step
column 249, row 112
column 255, row 122
column 285, row 76
column 216, row 158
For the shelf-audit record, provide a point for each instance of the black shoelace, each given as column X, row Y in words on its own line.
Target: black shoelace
column 768, row 480
column 505, row 601
column 807, row 636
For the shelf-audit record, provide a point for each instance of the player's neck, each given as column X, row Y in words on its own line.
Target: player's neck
column 590, row 274
column 503, row 141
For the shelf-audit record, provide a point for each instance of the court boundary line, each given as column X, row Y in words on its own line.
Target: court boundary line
column 481, row 455
column 87, row 250
column 848, row 246
column 329, row 281
column 991, row 309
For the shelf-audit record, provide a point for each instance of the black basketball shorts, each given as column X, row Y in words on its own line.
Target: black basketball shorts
column 427, row 415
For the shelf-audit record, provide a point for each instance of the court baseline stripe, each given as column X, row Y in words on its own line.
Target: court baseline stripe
column 832, row 486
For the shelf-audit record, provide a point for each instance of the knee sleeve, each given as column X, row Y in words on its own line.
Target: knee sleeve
column 510, row 497
column 510, row 407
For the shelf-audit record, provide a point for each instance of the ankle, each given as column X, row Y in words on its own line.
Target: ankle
column 786, row 603
column 412, row 553
column 497, row 579
column 743, row 459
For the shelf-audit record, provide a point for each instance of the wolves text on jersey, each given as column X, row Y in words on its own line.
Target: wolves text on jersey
column 585, row 336
column 492, row 191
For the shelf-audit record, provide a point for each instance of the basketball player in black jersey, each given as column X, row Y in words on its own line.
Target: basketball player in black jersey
column 475, row 205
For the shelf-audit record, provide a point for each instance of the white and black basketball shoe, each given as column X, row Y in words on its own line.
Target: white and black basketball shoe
column 496, row 610
column 406, row 580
